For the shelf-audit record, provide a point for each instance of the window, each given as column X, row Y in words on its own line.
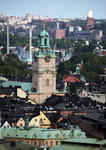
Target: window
column 39, row 143
column 34, row 142
column 47, row 143
column 56, row 142
column 47, row 82
column 45, row 41
column 51, row 143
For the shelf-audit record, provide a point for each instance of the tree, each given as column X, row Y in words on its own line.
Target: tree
column 72, row 89
column 93, row 65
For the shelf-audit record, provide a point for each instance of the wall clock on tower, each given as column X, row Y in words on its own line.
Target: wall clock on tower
column 47, row 59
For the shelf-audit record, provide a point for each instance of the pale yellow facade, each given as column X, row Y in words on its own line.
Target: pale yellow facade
column 21, row 93
column 20, row 122
column 40, row 121
column 44, row 79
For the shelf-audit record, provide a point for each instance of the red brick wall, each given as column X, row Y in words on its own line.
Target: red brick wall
column 60, row 34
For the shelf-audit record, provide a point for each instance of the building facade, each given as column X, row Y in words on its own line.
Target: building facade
column 44, row 69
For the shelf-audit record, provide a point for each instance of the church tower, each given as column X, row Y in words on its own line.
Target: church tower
column 44, row 69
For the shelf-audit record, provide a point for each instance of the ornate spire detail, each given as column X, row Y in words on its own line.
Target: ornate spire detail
column 43, row 26
column 44, row 39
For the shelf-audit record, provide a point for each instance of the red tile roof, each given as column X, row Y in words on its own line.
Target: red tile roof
column 71, row 79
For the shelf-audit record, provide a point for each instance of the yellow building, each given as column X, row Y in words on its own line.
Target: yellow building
column 20, row 122
column 35, row 136
column 40, row 121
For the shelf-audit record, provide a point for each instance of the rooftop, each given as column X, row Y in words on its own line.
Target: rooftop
column 34, row 133
column 24, row 85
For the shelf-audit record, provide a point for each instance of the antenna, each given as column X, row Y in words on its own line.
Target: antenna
column 30, row 43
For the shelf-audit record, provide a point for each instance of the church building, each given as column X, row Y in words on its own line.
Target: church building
column 44, row 70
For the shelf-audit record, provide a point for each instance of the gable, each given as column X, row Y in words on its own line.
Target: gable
column 6, row 125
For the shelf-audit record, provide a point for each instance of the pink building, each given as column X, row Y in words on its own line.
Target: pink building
column 57, row 33
column 90, row 23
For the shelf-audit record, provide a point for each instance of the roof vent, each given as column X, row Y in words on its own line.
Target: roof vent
column 57, row 135
column 79, row 134
column 35, row 135
column 49, row 135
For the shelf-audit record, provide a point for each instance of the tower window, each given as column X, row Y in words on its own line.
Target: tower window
column 47, row 82
column 45, row 41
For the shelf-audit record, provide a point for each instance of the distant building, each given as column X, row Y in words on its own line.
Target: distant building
column 57, row 33
column 90, row 21
column 96, row 96
column 87, row 35
column 100, row 51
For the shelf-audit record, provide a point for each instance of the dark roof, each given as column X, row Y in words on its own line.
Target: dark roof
column 7, row 90
column 53, row 117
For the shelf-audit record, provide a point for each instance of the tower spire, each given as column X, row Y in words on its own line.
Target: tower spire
column 43, row 26
column 44, row 39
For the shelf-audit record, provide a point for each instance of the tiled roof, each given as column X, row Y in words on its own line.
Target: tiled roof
column 71, row 79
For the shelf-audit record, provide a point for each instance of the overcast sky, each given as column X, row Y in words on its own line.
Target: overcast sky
column 55, row 8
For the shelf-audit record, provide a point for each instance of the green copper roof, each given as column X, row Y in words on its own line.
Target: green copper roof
column 86, row 140
column 44, row 39
column 24, row 85
column 42, row 53
column 77, row 147
column 35, row 133
column 44, row 33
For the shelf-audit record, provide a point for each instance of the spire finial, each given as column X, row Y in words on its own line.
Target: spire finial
column 43, row 26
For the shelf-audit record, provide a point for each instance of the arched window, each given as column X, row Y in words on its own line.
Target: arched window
column 47, row 82
column 45, row 41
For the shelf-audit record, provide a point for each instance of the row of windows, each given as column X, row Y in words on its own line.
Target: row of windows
column 51, row 143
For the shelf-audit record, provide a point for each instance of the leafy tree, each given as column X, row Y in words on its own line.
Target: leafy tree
column 72, row 89
column 93, row 65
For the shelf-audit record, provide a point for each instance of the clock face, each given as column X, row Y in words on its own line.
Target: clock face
column 47, row 58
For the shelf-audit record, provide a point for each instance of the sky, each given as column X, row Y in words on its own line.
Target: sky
column 54, row 8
